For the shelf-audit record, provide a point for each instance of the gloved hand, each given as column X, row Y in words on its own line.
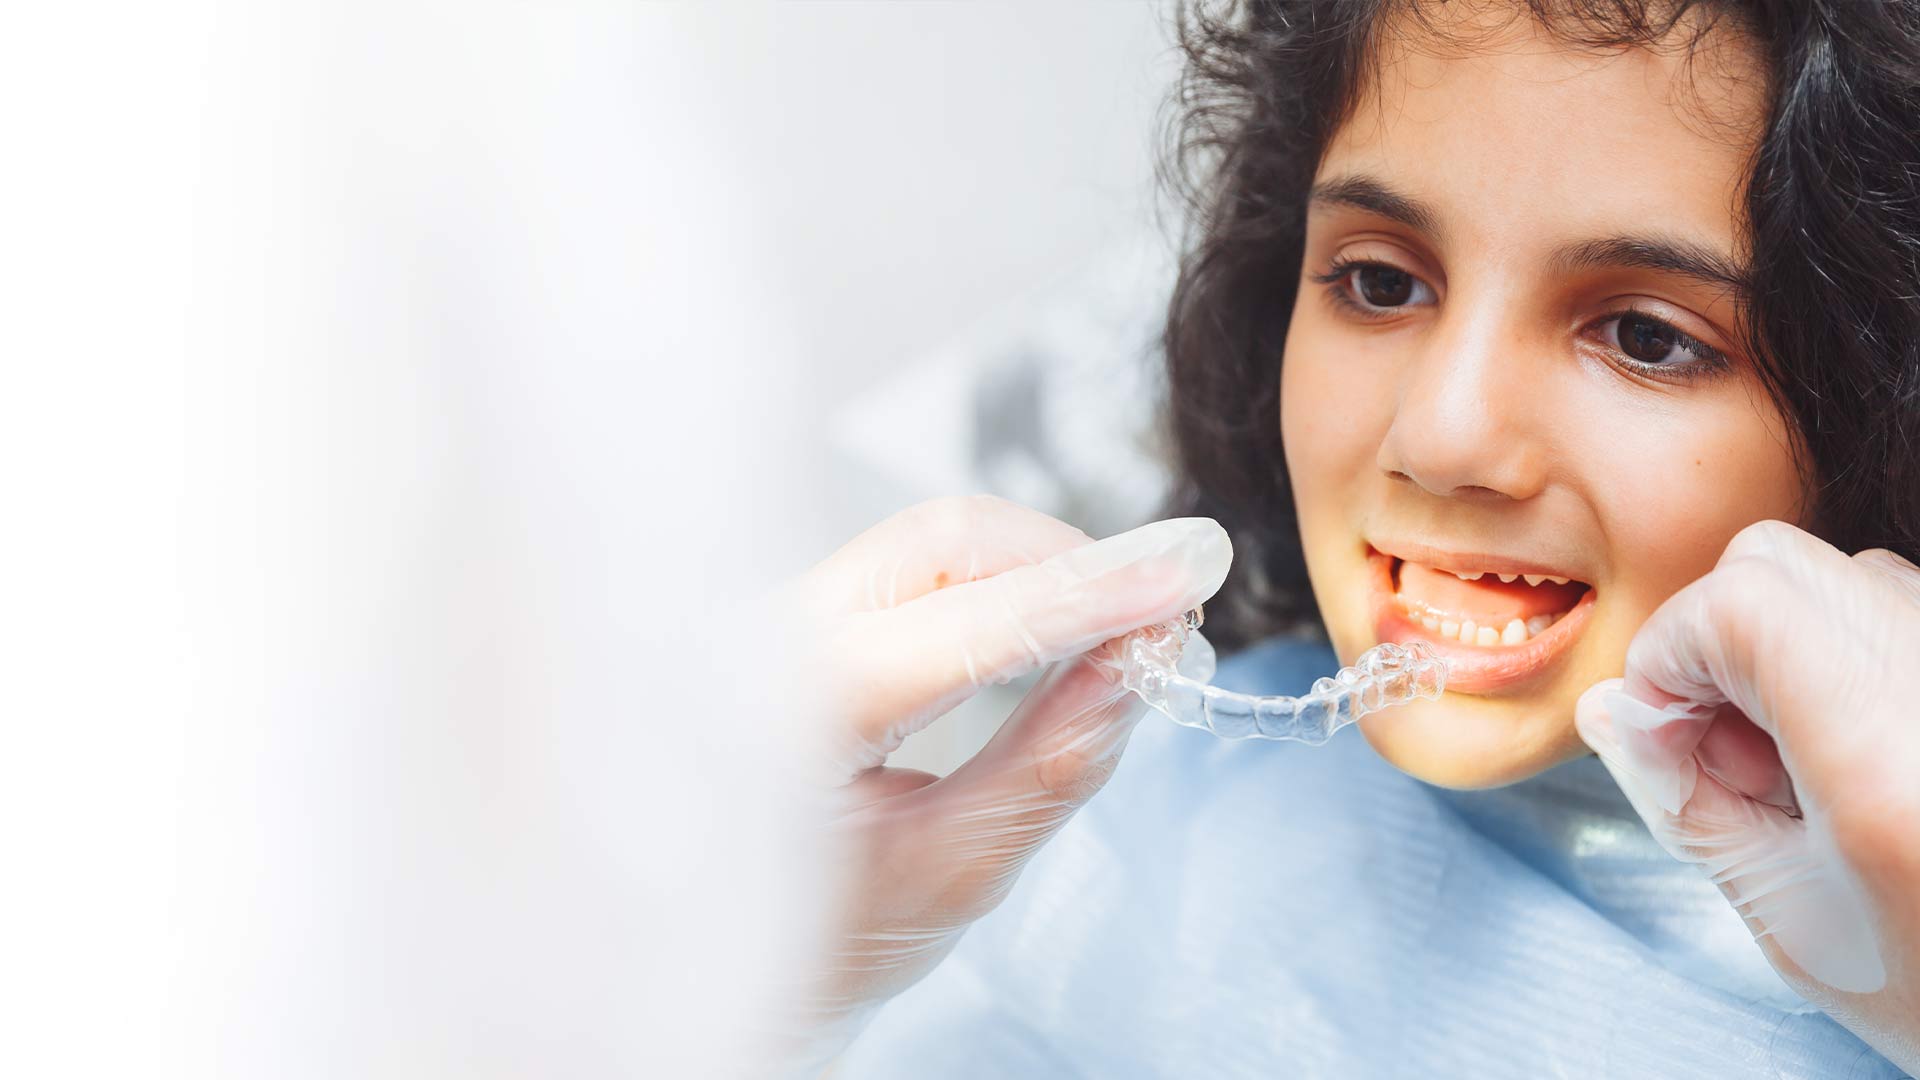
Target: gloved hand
column 1768, row 729
column 905, row 622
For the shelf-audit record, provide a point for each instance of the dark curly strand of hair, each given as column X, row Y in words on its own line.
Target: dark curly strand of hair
column 1832, row 227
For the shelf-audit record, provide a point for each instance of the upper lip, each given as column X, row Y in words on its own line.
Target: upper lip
column 1469, row 562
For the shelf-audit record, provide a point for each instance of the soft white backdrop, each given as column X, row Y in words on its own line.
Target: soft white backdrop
column 958, row 193
column 930, row 169
column 401, row 404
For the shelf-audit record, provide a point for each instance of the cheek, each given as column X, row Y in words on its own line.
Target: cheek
column 1669, row 514
column 1332, row 414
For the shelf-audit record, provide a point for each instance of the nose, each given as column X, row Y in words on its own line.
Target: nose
column 1468, row 418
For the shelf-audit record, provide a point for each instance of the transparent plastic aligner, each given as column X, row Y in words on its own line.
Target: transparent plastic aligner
column 1383, row 676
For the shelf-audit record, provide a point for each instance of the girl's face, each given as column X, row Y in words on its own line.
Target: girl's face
column 1516, row 408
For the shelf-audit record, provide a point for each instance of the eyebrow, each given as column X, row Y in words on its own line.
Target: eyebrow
column 1647, row 252
column 1662, row 254
column 1366, row 193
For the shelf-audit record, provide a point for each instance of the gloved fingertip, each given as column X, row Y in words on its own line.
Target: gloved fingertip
column 1212, row 554
column 1665, row 768
column 1640, row 716
column 1591, row 719
column 1619, row 728
column 1200, row 547
column 1197, row 539
column 1672, row 791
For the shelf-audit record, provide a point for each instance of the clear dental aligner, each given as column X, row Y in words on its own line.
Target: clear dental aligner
column 1383, row 676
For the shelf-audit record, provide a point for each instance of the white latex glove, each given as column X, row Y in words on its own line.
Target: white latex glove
column 911, row 618
column 1768, row 729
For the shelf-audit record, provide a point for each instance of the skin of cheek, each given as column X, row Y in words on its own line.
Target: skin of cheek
column 1725, row 462
column 1661, row 521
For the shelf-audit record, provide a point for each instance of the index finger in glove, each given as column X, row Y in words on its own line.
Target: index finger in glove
column 1666, row 749
column 901, row 667
column 933, row 545
column 1654, row 743
column 1779, row 871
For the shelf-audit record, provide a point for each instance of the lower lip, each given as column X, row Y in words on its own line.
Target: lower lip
column 1475, row 670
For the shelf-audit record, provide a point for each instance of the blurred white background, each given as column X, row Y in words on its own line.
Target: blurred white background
column 965, row 220
column 934, row 171
column 402, row 402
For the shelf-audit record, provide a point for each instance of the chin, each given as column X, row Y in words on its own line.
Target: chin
column 1462, row 741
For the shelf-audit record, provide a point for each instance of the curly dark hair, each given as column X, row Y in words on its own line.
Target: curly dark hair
column 1832, row 232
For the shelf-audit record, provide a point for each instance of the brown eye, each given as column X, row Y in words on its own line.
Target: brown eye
column 1384, row 286
column 1649, row 341
column 1371, row 289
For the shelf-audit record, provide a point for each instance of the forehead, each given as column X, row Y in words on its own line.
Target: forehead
column 1517, row 135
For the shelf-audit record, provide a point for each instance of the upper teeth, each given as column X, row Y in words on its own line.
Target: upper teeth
column 1468, row 632
column 1531, row 579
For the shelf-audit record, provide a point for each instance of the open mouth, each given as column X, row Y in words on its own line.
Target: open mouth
column 1498, row 624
